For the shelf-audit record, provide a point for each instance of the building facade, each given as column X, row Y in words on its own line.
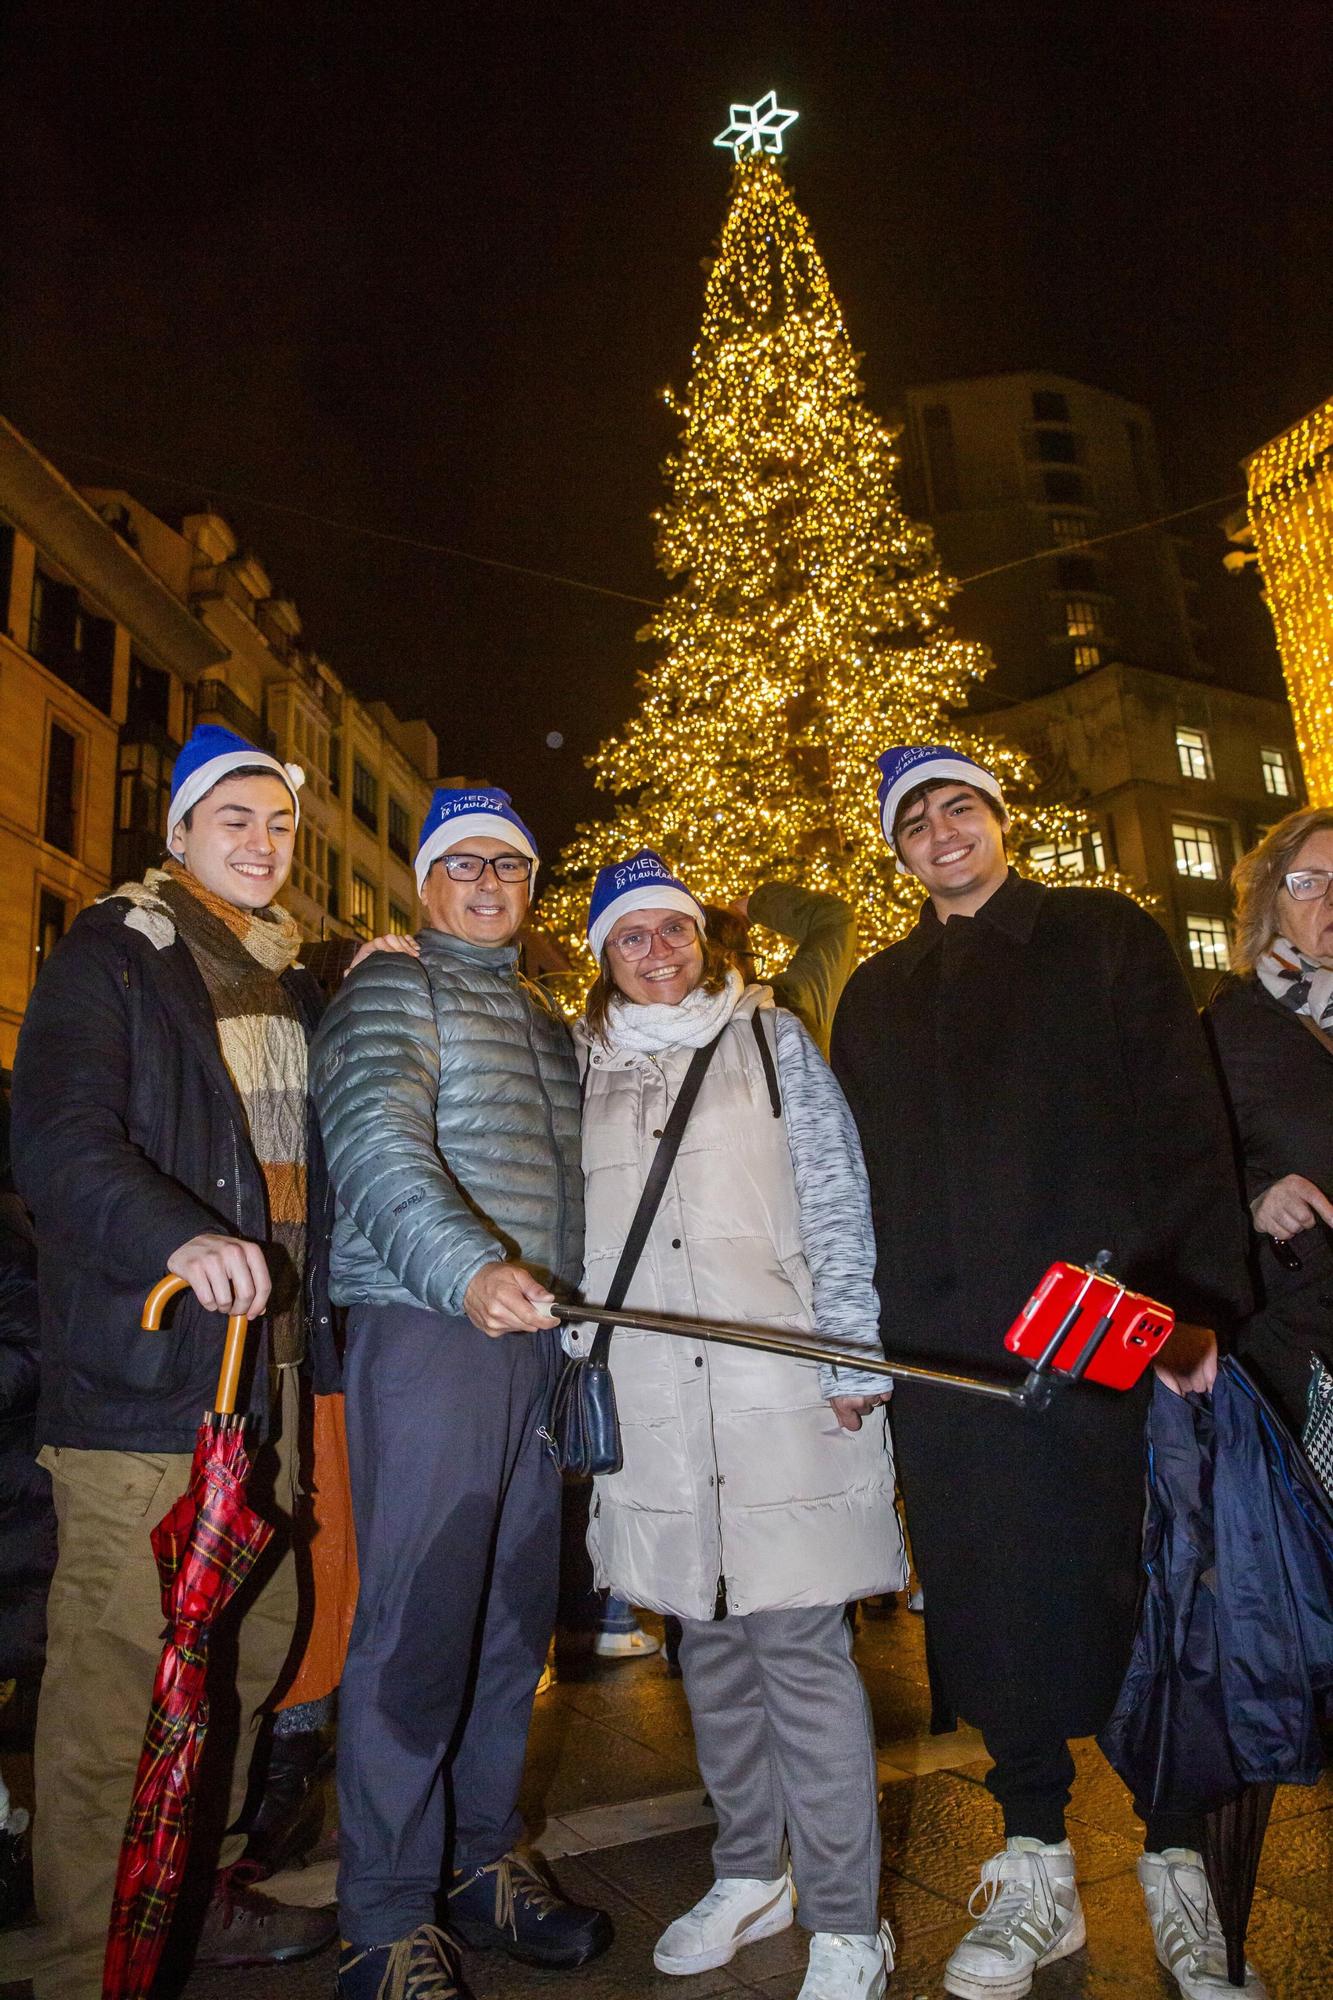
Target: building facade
column 120, row 633
column 1177, row 779
column 1014, row 472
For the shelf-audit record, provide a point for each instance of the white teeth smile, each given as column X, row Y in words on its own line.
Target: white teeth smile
column 954, row 854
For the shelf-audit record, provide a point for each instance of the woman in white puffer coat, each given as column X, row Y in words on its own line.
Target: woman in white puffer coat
column 756, row 1495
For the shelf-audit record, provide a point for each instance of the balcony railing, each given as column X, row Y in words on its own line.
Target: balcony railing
column 215, row 699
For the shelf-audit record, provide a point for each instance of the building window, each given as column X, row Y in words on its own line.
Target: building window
column 1197, row 849
column 1086, row 658
column 941, row 458
column 1208, row 943
column 335, row 895
column 400, row 920
column 1195, row 757
column 1081, row 620
column 1277, row 778
column 361, row 915
column 400, row 829
column 1084, row 854
column 335, row 763
column 1077, row 573
column 61, row 822
column 1053, row 447
column 1064, row 487
column 365, row 795
column 1070, row 528
column 52, row 922
column 1049, row 407
column 71, row 641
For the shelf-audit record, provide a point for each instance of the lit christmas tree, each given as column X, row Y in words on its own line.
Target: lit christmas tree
column 806, row 631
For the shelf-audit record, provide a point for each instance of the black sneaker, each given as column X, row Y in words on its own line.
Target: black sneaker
column 420, row 1966
column 243, row 1927
column 511, row 1905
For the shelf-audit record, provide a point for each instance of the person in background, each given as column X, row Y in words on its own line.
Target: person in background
column 1031, row 1084
column 447, row 1090
column 823, row 929
column 160, row 1124
column 1271, row 1024
column 756, row 1495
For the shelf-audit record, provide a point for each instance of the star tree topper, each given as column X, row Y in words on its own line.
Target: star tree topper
column 759, row 126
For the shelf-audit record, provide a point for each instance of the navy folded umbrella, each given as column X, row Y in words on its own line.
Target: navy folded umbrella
column 1233, row 1661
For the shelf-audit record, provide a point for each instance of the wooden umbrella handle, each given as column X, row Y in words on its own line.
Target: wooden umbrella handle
column 233, row 1350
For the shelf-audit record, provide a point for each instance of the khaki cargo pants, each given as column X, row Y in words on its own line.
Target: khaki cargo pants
column 104, row 1642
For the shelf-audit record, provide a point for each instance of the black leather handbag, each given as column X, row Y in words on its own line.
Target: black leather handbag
column 583, row 1429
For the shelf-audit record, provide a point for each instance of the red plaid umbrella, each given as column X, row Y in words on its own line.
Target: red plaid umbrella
column 205, row 1547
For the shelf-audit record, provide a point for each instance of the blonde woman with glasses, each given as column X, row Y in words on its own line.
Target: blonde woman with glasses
column 1271, row 1020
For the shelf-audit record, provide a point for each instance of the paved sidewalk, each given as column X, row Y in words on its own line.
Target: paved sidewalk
column 613, row 1792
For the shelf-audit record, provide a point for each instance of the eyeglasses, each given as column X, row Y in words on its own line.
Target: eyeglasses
column 677, row 934
column 471, row 867
column 1306, row 885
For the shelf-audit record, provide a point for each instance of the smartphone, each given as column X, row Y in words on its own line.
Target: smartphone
column 1130, row 1329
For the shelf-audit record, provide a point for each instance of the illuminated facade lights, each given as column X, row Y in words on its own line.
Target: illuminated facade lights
column 1291, row 512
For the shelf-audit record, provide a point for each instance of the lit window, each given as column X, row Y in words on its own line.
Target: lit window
column 362, row 912
column 1067, row 529
column 1208, row 943
column 1277, row 778
column 1084, row 855
column 1195, row 758
column 1080, row 618
column 1196, row 849
column 400, row 920
column 1087, row 657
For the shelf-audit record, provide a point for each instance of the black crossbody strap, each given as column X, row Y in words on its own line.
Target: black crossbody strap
column 653, row 1190
column 766, row 1058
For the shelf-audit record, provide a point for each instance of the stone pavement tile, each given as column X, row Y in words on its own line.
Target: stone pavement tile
column 1294, row 1800
column 574, row 1762
column 913, row 1757
column 940, row 1829
column 1297, row 1862
column 1291, row 1947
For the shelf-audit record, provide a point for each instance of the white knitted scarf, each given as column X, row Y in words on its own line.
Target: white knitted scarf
column 647, row 1028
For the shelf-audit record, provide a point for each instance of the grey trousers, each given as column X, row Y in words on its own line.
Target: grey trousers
column 786, row 1746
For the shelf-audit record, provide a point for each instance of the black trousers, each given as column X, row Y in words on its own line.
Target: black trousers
column 1031, row 1778
column 457, row 1511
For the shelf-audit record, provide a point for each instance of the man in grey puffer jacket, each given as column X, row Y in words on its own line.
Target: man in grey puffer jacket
column 448, row 1098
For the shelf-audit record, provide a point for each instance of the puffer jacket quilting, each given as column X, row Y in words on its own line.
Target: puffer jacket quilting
column 448, row 1099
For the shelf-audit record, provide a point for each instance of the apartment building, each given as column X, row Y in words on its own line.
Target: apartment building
column 121, row 632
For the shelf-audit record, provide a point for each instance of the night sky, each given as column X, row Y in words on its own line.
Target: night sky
column 426, row 273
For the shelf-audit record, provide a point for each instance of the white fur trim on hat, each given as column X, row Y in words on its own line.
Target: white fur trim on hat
column 645, row 896
column 217, row 768
column 468, row 826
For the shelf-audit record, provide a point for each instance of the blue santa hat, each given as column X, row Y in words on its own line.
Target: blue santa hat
column 644, row 882
column 460, row 813
column 908, row 765
column 210, row 753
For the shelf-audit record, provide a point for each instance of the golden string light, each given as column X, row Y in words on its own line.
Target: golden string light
column 1291, row 512
column 806, row 629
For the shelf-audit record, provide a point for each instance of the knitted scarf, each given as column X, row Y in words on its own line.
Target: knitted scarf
column 1297, row 981
column 240, row 954
column 648, row 1027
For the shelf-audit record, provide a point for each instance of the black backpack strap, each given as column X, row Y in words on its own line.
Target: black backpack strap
column 770, row 1067
column 653, row 1190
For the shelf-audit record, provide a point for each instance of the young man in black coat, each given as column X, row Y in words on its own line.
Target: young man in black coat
column 1031, row 1084
column 161, row 1123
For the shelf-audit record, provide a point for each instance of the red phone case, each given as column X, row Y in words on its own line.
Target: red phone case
column 1138, row 1327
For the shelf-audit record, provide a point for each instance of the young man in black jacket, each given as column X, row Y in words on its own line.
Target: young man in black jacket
column 161, row 1124
column 1031, row 1084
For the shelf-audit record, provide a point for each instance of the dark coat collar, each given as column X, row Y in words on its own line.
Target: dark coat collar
column 1013, row 909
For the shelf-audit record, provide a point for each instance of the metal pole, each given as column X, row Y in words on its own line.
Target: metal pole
column 800, row 1347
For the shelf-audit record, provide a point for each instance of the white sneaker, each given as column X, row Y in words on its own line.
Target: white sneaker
column 736, row 1911
column 848, row 1967
column 1032, row 1917
column 1186, row 1929
column 635, row 1645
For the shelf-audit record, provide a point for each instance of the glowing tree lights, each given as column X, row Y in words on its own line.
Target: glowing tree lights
column 1291, row 511
column 805, row 630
